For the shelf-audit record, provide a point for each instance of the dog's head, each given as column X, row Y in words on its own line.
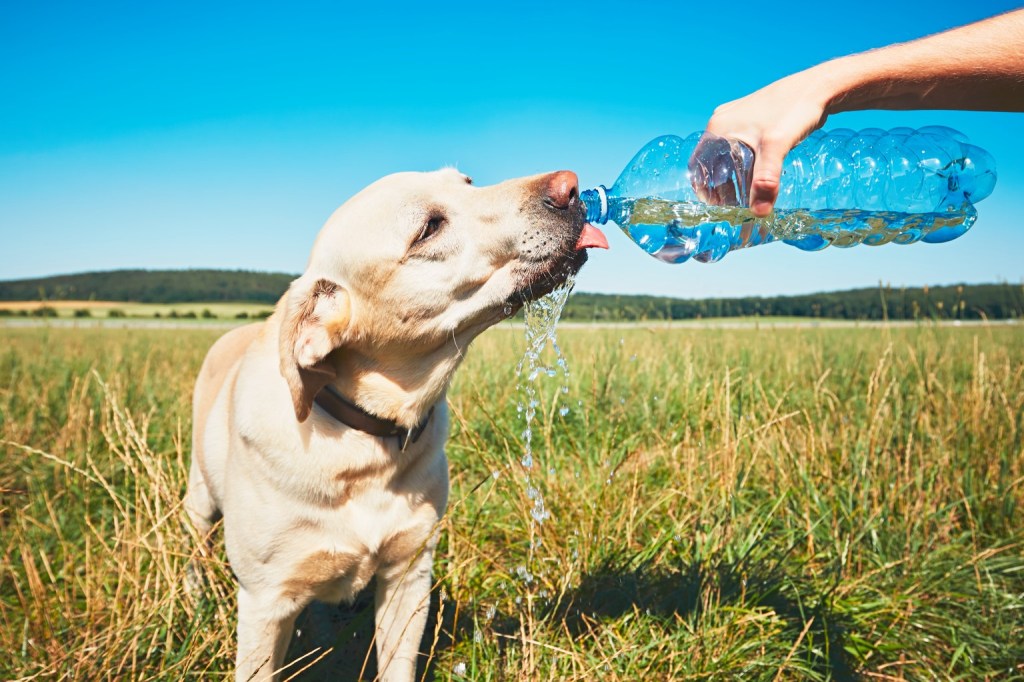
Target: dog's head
column 406, row 273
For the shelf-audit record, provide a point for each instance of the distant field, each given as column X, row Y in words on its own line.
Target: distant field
column 727, row 504
column 102, row 309
column 226, row 315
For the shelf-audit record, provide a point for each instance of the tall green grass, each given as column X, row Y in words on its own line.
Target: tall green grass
column 802, row 504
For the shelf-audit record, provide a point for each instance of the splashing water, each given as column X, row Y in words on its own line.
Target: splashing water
column 541, row 322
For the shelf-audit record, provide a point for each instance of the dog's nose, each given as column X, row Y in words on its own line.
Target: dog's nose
column 562, row 188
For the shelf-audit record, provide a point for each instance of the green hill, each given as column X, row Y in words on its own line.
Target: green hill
column 964, row 301
column 152, row 286
column 973, row 301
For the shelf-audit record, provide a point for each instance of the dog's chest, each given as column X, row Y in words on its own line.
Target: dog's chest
column 337, row 552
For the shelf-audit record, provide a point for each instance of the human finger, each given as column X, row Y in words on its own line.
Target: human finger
column 767, row 175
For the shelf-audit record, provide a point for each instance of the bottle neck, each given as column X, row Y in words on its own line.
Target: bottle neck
column 596, row 201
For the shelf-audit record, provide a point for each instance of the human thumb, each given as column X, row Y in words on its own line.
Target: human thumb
column 764, row 183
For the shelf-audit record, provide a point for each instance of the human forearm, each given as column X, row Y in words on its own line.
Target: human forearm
column 974, row 67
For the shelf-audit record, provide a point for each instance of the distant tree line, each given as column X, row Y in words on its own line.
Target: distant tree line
column 965, row 301
column 958, row 302
column 152, row 286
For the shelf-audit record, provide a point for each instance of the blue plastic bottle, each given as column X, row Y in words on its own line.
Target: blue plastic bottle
column 686, row 198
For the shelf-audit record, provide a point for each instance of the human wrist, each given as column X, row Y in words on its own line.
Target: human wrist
column 839, row 83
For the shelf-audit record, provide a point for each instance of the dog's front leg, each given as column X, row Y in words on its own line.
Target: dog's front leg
column 263, row 636
column 402, row 600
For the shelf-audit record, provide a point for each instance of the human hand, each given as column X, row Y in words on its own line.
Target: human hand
column 771, row 122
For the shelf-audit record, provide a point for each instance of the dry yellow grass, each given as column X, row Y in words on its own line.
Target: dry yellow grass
column 726, row 505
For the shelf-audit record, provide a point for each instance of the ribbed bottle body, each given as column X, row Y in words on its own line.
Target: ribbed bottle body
column 682, row 198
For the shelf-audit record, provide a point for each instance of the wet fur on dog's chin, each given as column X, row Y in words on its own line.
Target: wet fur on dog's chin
column 544, row 280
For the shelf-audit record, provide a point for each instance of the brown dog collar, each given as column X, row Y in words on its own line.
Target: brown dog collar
column 357, row 418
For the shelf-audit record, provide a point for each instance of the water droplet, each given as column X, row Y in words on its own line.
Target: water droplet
column 495, row 474
column 563, row 410
column 527, row 460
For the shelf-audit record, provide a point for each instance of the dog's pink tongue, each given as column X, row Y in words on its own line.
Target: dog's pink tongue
column 591, row 238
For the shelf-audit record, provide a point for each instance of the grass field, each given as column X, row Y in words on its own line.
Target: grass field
column 755, row 504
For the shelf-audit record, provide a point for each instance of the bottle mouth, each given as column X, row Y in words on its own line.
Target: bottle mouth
column 596, row 202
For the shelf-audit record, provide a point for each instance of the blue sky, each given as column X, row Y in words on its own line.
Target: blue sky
column 171, row 135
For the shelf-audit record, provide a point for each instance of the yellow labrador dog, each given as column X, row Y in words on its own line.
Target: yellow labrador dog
column 318, row 435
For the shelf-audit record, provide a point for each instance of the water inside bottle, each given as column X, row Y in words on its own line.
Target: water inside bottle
column 675, row 231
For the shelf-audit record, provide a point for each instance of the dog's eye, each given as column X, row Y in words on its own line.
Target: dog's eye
column 432, row 226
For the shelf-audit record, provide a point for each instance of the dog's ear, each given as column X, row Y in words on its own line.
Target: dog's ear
column 315, row 321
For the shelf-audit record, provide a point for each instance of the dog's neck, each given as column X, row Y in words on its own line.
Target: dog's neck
column 401, row 389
